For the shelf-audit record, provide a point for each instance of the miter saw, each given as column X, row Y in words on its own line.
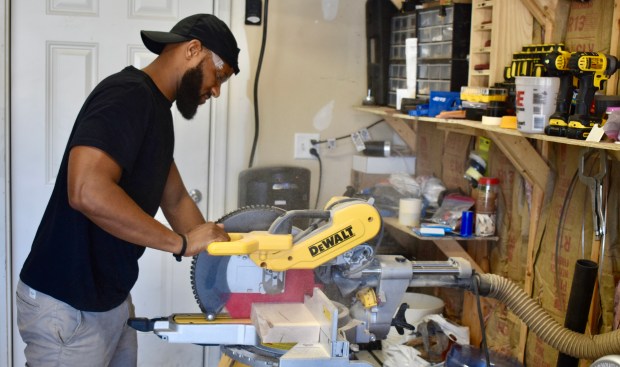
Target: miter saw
column 271, row 261
column 288, row 272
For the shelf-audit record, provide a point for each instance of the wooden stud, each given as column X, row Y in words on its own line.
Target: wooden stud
column 524, row 157
column 528, row 286
column 403, row 130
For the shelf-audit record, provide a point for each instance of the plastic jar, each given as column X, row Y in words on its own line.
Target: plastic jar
column 486, row 206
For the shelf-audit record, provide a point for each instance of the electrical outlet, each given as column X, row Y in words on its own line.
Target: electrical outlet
column 303, row 144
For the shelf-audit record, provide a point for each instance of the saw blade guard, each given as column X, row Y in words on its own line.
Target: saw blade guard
column 209, row 273
column 343, row 225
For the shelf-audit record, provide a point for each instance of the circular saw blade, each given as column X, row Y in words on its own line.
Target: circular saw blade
column 208, row 273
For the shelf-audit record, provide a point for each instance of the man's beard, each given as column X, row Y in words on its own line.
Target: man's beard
column 188, row 94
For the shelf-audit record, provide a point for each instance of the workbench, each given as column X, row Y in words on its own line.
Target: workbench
column 528, row 153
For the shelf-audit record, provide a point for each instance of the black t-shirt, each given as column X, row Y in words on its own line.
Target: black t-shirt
column 72, row 259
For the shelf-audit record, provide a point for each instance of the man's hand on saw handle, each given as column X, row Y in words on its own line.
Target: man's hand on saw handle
column 201, row 236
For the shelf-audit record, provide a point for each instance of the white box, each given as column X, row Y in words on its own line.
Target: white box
column 384, row 165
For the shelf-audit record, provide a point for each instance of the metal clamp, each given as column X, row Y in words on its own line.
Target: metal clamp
column 595, row 183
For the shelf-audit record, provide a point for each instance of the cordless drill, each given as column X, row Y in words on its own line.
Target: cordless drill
column 592, row 69
column 556, row 64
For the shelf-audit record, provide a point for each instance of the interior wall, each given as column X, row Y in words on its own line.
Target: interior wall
column 313, row 74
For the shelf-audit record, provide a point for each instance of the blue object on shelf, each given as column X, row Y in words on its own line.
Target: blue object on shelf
column 443, row 101
column 420, row 110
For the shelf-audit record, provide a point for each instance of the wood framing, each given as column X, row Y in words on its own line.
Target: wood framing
column 524, row 157
column 552, row 16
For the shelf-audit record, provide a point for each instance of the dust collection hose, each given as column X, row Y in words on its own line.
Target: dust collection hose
column 538, row 320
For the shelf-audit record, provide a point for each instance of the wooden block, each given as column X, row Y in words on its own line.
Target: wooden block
column 226, row 361
column 285, row 323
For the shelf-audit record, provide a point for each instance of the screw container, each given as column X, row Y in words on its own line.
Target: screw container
column 486, row 206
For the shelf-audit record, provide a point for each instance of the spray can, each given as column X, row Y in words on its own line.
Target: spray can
column 486, row 206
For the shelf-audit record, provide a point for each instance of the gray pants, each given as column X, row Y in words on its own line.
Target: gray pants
column 57, row 334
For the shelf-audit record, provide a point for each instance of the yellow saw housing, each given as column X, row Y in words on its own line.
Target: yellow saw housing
column 351, row 223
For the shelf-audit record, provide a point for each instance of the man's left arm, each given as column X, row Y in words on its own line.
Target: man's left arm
column 178, row 207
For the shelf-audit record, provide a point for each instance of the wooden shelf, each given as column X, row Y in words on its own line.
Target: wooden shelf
column 393, row 222
column 483, row 4
column 448, row 245
column 482, row 50
column 489, row 20
column 483, row 27
column 476, row 127
column 480, row 72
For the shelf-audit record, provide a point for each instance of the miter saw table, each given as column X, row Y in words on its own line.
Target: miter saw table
column 269, row 296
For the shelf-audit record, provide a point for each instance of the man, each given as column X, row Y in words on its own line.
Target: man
column 118, row 169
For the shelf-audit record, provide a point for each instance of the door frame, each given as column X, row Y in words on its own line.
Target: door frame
column 216, row 170
column 216, row 181
column 6, row 309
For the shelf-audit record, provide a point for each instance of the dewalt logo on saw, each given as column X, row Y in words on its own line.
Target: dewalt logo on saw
column 331, row 241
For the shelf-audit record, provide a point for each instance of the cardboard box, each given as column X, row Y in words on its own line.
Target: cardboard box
column 384, row 165
column 285, row 323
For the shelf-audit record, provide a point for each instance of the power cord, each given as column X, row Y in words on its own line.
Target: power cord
column 475, row 283
column 315, row 153
column 316, row 142
column 258, row 69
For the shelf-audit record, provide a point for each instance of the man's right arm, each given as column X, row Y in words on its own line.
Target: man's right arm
column 93, row 190
column 185, row 217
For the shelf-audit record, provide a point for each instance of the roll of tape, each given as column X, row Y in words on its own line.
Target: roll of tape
column 409, row 211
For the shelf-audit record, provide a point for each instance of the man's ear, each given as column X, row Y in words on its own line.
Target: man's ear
column 193, row 48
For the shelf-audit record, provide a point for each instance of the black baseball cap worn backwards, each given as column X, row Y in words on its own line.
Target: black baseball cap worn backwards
column 207, row 28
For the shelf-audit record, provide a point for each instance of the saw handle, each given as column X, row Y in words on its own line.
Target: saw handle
column 248, row 243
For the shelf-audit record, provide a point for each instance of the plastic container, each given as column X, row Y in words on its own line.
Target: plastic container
column 420, row 305
column 468, row 356
column 483, row 94
column 535, row 102
column 409, row 211
column 607, row 361
column 467, row 223
column 486, row 206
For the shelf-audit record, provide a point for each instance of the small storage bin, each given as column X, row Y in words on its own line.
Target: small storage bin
column 398, row 71
column 397, row 52
column 439, row 50
column 398, row 83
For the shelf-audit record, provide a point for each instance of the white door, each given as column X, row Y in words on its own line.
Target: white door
column 60, row 50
